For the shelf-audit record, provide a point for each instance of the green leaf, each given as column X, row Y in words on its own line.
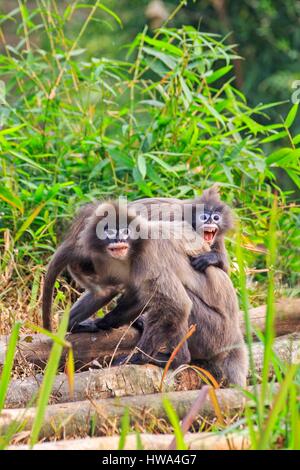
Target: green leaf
column 28, row 160
column 161, row 163
column 278, row 155
column 273, row 137
column 291, row 116
column 296, row 139
column 218, row 74
column 168, row 60
column 142, row 166
column 11, row 130
column 294, row 176
column 163, row 46
column 29, row 220
column 7, row 196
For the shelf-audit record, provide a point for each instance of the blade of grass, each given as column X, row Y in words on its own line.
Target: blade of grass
column 270, row 312
column 8, row 363
column 245, row 307
column 294, row 435
column 55, row 338
column 278, row 404
column 125, row 426
column 192, row 414
column 70, row 371
column 173, row 418
column 139, row 444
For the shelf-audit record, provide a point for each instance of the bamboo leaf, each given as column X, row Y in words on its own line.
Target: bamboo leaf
column 7, row 196
column 29, row 221
column 291, row 116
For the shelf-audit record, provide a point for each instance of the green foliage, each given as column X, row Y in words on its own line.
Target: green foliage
column 168, row 122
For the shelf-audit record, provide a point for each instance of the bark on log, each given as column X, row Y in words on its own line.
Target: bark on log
column 195, row 441
column 100, row 346
column 132, row 379
column 74, row 419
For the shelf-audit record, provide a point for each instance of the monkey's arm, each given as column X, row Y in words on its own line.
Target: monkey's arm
column 87, row 305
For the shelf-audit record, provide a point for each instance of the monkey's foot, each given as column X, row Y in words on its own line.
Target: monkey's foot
column 160, row 359
column 87, row 326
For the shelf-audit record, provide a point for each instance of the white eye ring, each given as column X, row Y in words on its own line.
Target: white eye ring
column 204, row 217
column 216, row 217
column 124, row 233
column 111, row 232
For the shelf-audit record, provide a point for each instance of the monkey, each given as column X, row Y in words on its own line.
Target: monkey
column 215, row 221
column 145, row 270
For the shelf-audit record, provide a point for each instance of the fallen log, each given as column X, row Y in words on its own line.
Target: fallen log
column 94, row 384
column 194, row 441
column 88, row 349
column 287, row 319
column 99, row 347
column 74, row 419
column 132, row 379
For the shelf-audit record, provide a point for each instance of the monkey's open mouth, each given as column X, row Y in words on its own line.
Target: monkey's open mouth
column 118, row 250
column 209, row 233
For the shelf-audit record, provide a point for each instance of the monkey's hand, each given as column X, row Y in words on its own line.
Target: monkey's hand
column 202, row 262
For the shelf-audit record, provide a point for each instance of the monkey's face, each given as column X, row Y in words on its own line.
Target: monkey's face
column 117, row 242
column 210, row 222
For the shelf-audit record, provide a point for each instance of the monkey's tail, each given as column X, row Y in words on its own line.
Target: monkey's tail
column 59, row 261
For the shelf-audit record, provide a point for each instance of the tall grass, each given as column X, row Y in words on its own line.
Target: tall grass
column 271, row 418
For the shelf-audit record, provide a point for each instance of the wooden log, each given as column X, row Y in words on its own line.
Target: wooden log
column 100, row 346
column 88, row 349
column 94, row 384
column 195, row 441
column 287, row 319
column 132, row 379
column 74, row 419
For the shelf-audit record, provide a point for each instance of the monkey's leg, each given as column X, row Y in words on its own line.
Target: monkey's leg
column 166, row 323
column 84, row 307
column 218, row 345
column 235, row 366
